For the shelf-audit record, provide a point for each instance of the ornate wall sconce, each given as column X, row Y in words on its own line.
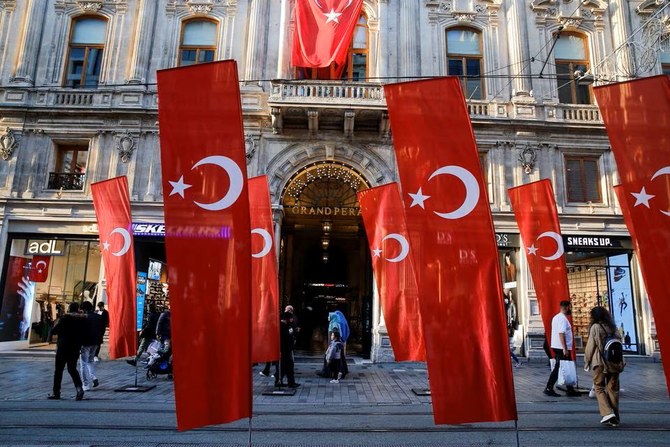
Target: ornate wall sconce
column 7, row 144
column 126, row 146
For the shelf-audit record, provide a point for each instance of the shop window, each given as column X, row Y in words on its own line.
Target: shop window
column 355, row 67
column 70, row 168
column 464, row 59
column 87, row 45
column 198, row 42
column 42, row 277
column 571, row 54
column 583, row 179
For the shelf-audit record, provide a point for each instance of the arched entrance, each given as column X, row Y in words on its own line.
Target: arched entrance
column 325, row 263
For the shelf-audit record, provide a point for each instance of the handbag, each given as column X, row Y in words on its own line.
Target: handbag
column 567, row 373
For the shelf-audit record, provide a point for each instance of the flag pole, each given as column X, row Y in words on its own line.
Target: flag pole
column 516, row 429
column 250, row 429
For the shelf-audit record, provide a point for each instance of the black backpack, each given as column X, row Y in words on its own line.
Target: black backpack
column 612, row 352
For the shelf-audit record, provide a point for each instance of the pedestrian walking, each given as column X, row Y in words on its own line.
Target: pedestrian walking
column 105, row 318
column 95, row 330
column 164, row 328
column 296, row 330
column 604, row 357
column 561, row 345
column 334, row 356
column 147, row 334
column 70, row 330
column 286, row 344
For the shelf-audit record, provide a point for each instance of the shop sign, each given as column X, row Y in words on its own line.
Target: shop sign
column 148, row 229
column 53, row 247
column 323, row 211
column 596, row 242
column 507, row 240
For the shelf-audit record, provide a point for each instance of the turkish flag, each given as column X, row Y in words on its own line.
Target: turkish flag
column 451, row 234
column 393, row 267
column 637, row 118
column 264, row 279
column 208, row 241
column 112, row 210
column 39, row 270
column 323, row 31
column 535, row 211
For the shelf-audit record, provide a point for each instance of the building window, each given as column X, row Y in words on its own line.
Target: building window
column 355, row 67
column 583, row 179
column 198, row 42
column 87, row 44
column 464, row 59
column 70, row 169
column 571, row 55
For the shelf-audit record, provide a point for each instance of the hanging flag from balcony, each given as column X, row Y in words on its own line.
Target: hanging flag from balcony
column 393, row 266
column 208, row 241
column 637, row 118
column 323, row 31
column 112, row 210
column 455, row 252
column 535, row 211
column 39, row 270
column 264, row 279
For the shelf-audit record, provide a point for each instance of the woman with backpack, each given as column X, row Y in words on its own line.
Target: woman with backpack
column 604, row 357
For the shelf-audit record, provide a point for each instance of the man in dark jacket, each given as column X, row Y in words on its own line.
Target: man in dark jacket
column 147, row 335
column 70, row 330
column 105, row 317
column 286, row 342
column 91, row 341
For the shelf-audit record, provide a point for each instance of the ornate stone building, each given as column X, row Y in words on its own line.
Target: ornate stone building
column 78, row 104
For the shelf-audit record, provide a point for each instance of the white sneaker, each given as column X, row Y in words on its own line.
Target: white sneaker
column 96, row 359
column 262, row 373
column 592, row 393
column 86, row 388
column 605, row 419
column 334, row 381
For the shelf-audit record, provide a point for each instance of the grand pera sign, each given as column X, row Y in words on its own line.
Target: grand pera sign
column 322, row 211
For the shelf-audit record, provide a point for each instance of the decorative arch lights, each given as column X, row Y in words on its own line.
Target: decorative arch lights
column 87, row 44
column 198, row 42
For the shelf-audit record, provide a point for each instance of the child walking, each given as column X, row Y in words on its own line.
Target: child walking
column 334, row 356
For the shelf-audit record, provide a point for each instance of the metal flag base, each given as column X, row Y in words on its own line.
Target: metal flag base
column 279, row 391
column 135, row 388
column 421, row 391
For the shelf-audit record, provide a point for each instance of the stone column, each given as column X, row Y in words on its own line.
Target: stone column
column 283, row 43
column 519, row 52
column 33, row 26
column 144, row 31
column 256, row 39
column 410, row 59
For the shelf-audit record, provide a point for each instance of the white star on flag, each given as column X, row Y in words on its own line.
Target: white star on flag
column 332, row 16
column 39, row 270
column 105, row 245
column 642, row 198
column 179, row 186
column 532, row 250
column 377, row 252
column 418, row 199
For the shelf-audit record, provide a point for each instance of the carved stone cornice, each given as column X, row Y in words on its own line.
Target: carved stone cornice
column 570, row 23
column 9, row 5
column 8, row 144
column 648, row 7
column 200, row 6
column 90, row 5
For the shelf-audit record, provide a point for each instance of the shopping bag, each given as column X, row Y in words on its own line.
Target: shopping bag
column 567, row 373
column 154, row 347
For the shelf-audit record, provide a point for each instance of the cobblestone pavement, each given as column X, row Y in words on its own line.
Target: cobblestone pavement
column 29, row 377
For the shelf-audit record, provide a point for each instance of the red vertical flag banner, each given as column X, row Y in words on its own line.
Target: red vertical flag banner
column 207, row 237
column 264, row 279
column 393, row 267
column 323, row 31
column 451, row 233
column 637, row 118
column 535, row 211
column 112, row 210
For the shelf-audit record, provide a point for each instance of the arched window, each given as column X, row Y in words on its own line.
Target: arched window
column 571, row 54
column 198, row 42
column 465, row 59
column 357, row 57
column 87, row 44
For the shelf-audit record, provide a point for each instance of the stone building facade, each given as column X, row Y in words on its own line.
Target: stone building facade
column 78, row 104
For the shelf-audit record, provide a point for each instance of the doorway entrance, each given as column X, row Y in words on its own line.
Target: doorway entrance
column 325, row 262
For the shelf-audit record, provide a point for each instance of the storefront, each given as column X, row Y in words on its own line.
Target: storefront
column 600, row 274
column 508, row 257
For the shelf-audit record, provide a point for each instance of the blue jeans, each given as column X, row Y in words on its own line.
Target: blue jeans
column 87, row 365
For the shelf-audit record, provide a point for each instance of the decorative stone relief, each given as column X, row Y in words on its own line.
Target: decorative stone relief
column 200, row 7
column 570, row 22
column 95, row 5
column 125, row 146
column 464, row 17
column 250, row 147
column 8, row 144
column 527, row 157
column 7, row 4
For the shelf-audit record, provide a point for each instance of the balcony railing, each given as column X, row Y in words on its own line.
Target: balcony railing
column 332, row 93
column 586, row 113
column 66, row 182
